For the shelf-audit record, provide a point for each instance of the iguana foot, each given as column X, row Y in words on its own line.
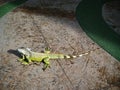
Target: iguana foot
column 45, row 67
column 47, row 50
column 23, row 62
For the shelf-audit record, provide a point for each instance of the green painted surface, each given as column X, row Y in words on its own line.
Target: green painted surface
column 5, row 8
column 89, row 16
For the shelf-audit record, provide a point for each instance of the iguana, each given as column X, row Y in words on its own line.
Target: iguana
column 29, row 56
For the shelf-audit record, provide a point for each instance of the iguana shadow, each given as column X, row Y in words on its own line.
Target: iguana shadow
column 15, row 52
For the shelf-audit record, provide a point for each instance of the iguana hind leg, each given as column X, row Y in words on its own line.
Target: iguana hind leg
column 46, row 63
column 47, row 50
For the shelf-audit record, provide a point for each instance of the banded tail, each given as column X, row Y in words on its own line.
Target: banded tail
column 75, row 56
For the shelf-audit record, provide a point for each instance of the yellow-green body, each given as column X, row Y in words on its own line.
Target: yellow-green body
column 38, row 57
column 29, row 56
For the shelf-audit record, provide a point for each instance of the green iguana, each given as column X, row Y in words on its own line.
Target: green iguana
column 29, row 56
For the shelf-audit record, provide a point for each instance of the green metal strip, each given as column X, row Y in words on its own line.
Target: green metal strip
column 89, row 16
column 5, row 8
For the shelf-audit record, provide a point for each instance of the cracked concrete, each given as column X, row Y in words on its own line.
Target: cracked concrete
column 40, row 28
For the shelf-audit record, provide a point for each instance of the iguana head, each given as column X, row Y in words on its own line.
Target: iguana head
column 24, row 51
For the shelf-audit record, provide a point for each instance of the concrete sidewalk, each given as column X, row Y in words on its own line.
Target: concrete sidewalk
column 38, row 28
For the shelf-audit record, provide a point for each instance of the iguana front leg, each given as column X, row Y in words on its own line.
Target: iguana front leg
column 46, row 63
column 22, row 60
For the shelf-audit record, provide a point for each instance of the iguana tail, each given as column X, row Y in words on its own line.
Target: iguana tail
column 83, row 54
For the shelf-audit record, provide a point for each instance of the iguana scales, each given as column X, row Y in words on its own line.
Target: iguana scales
column 29, row 56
